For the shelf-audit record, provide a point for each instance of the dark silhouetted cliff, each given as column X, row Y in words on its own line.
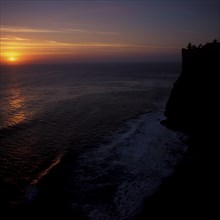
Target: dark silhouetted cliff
column 192, row 105
column 192, row 97
column 192, row 190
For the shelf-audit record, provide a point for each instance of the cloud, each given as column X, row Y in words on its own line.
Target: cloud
column 12, row 38
column 86, row 31
column 12, row 29
column 32, row 43
column 76, row 24
column 43, row 47
column 36, row 46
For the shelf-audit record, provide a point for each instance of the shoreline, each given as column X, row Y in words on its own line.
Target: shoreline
column 191, row 108
column 189, row 191
column 117, row 171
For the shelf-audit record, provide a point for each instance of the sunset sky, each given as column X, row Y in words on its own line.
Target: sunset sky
column 101, row 31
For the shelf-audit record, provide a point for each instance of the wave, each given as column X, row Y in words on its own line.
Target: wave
column 112, row 180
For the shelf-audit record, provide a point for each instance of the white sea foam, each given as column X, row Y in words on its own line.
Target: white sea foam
column 113, row 179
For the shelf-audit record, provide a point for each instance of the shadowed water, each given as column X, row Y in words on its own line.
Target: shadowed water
column 53, row 112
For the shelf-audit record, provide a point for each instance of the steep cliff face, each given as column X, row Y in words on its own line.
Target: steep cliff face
column 192, row 108
column 192, row 104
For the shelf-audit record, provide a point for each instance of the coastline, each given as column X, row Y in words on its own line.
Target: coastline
column 191, row 108
column 111, row 181
column 189, row 191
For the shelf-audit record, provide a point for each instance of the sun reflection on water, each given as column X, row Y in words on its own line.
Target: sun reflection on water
column 18, row 110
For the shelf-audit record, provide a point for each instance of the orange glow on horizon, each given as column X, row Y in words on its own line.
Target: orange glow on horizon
column 17, row 50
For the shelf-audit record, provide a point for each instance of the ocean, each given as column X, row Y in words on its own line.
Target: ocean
column 84, row 141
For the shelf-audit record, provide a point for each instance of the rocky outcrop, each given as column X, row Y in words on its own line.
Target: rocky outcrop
column 192, row 101
column 192, row 108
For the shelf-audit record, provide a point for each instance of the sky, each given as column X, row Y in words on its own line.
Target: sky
column 38, row 31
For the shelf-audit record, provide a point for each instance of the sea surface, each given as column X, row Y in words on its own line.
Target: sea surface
column 84, row 141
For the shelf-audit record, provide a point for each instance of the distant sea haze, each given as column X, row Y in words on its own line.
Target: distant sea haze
column 85, row 137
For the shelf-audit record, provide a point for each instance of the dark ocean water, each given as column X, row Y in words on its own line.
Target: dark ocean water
column 73, row 137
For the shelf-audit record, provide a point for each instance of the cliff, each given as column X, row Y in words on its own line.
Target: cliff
column 192, row 108
column 192, row 105
column 192, row 97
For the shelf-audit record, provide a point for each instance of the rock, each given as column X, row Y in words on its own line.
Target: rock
column 193, row 100
column 192, row 108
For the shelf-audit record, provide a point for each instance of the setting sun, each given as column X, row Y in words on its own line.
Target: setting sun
column 12, row 59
